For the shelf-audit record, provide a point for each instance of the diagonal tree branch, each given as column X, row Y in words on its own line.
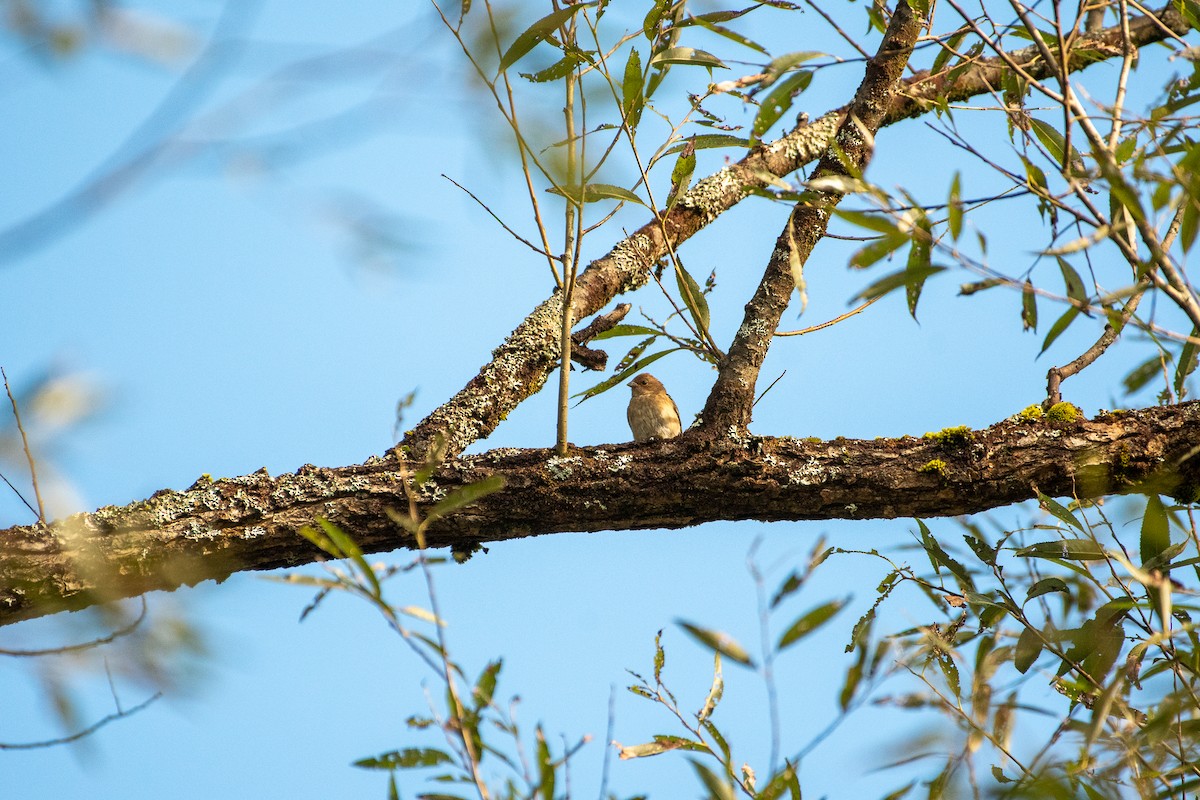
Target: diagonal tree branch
column 732, row 397
column 521, row 364
column 216, row 528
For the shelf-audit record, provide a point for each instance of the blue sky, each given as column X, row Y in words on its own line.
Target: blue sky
column 226, row 318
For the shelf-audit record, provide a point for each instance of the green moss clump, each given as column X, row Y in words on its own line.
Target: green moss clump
column 1063, row 412
column 936, row 466
column 951, row 437
column 1031, row 414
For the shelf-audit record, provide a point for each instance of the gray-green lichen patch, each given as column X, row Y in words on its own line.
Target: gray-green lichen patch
column 716, row 193
column 562, row 468
column 804, row 144
column 630, row 259
column 812, row 473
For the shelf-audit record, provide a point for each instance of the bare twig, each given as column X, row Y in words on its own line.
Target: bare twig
column 833, row 321
column 37, row 492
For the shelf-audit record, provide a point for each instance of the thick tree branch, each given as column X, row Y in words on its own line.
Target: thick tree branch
column 520, row 366
column 729, row 404
column 216, row 528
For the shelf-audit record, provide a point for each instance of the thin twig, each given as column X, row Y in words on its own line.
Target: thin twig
column 833, row 321
column 504, row 225
column 37, row 492
column 88, row 731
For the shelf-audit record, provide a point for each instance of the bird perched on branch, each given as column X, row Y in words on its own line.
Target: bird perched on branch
column 652, row 413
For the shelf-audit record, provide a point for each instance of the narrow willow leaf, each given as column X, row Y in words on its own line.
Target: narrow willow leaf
column 466, row 495
column 880, row 223
column 693, row 297
column 485, row 687
column 408, row 758
column 1187, row 364
column 778, row 67
column 718, row 642
column 594, row 192
column 1064, row 550
column 545, row 763
column 1060, row 325
column 776, row 104
column 653, row 19
column 715, row 691
column 686, row 55
column 954, row 207
column 878, row 249
column 1029, row 647
column 632, row 99
column 1045, row 586
column 1050, row 138
column 1142, row 374
column 708, row 141
column 1156, row 530
column 1028, row 307
column 628, row 330
column 556, row 71
column 538, row 32
column 1060, row 511
column 809, row 622
column 635, row 367
column 681, row 174
column 919, row 268
column 1074, row 284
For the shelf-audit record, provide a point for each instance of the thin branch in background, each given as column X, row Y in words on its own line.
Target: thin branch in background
column 88, row 731
column 492, row 214
column 833, row 321
column 17, row 492
column 72, row 648
column 37, row 492
column 769, row 388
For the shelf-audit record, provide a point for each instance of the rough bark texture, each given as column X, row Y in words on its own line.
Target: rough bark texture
column 217, row 528
column 520, row 366
column 731, row 400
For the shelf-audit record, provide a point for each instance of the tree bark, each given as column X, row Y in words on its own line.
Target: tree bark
column 216, row 528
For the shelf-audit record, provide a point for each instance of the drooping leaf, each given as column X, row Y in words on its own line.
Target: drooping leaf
column 809, row 622
column 1060, row 325
column 954, row 208
column 1028, row 307
column 594, row 192
column 635, row 367
column 776, row 104
column 1187, row 363
column 466, row 495
column 708, row 141
column 1060, row 511
column 878, row 249
column 632, row 99
column 1045, row 586
column 408, row 758
column 1029, row 647
column 693, row 297
column 538, row 32
column 687, row 56
column 718, row 642
column 681, row 174
column 1064, row 549
column 1156, row 530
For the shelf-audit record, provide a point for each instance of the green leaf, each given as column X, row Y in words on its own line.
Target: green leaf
column 1187, row 363
column 790, row 584
column 954, row 208
column 1064, row 549
column 1142, row 374
column 593, row 192
column 681, row 174
column 635, row 367
column 1029, row 647
column 485, row 687
column 718, row 788
column 693, row 297
column 1028, row 307
column 632, row 99
column 408, row 758
column 1074, row 283
column 1060, row 511
column 809, row 622
column 718, row 642
column 1045, row 586
column 1060, row 325
column 545, row 764
column 778, row 67
column 1156, row 529
column 686, row 55
column 708, row 141
column 949, row 48
column 776, row 104
column 653, row 18
column 895, row 280
column 1052, row 140
column 628, row 330
column 880, row 223
column 556, row 71
column 538, row 32
column 465, row 496
column 919, row 267
column 878, row 249
column 715, row 691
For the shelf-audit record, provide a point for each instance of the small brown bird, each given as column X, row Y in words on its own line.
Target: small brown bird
column 652, row 413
